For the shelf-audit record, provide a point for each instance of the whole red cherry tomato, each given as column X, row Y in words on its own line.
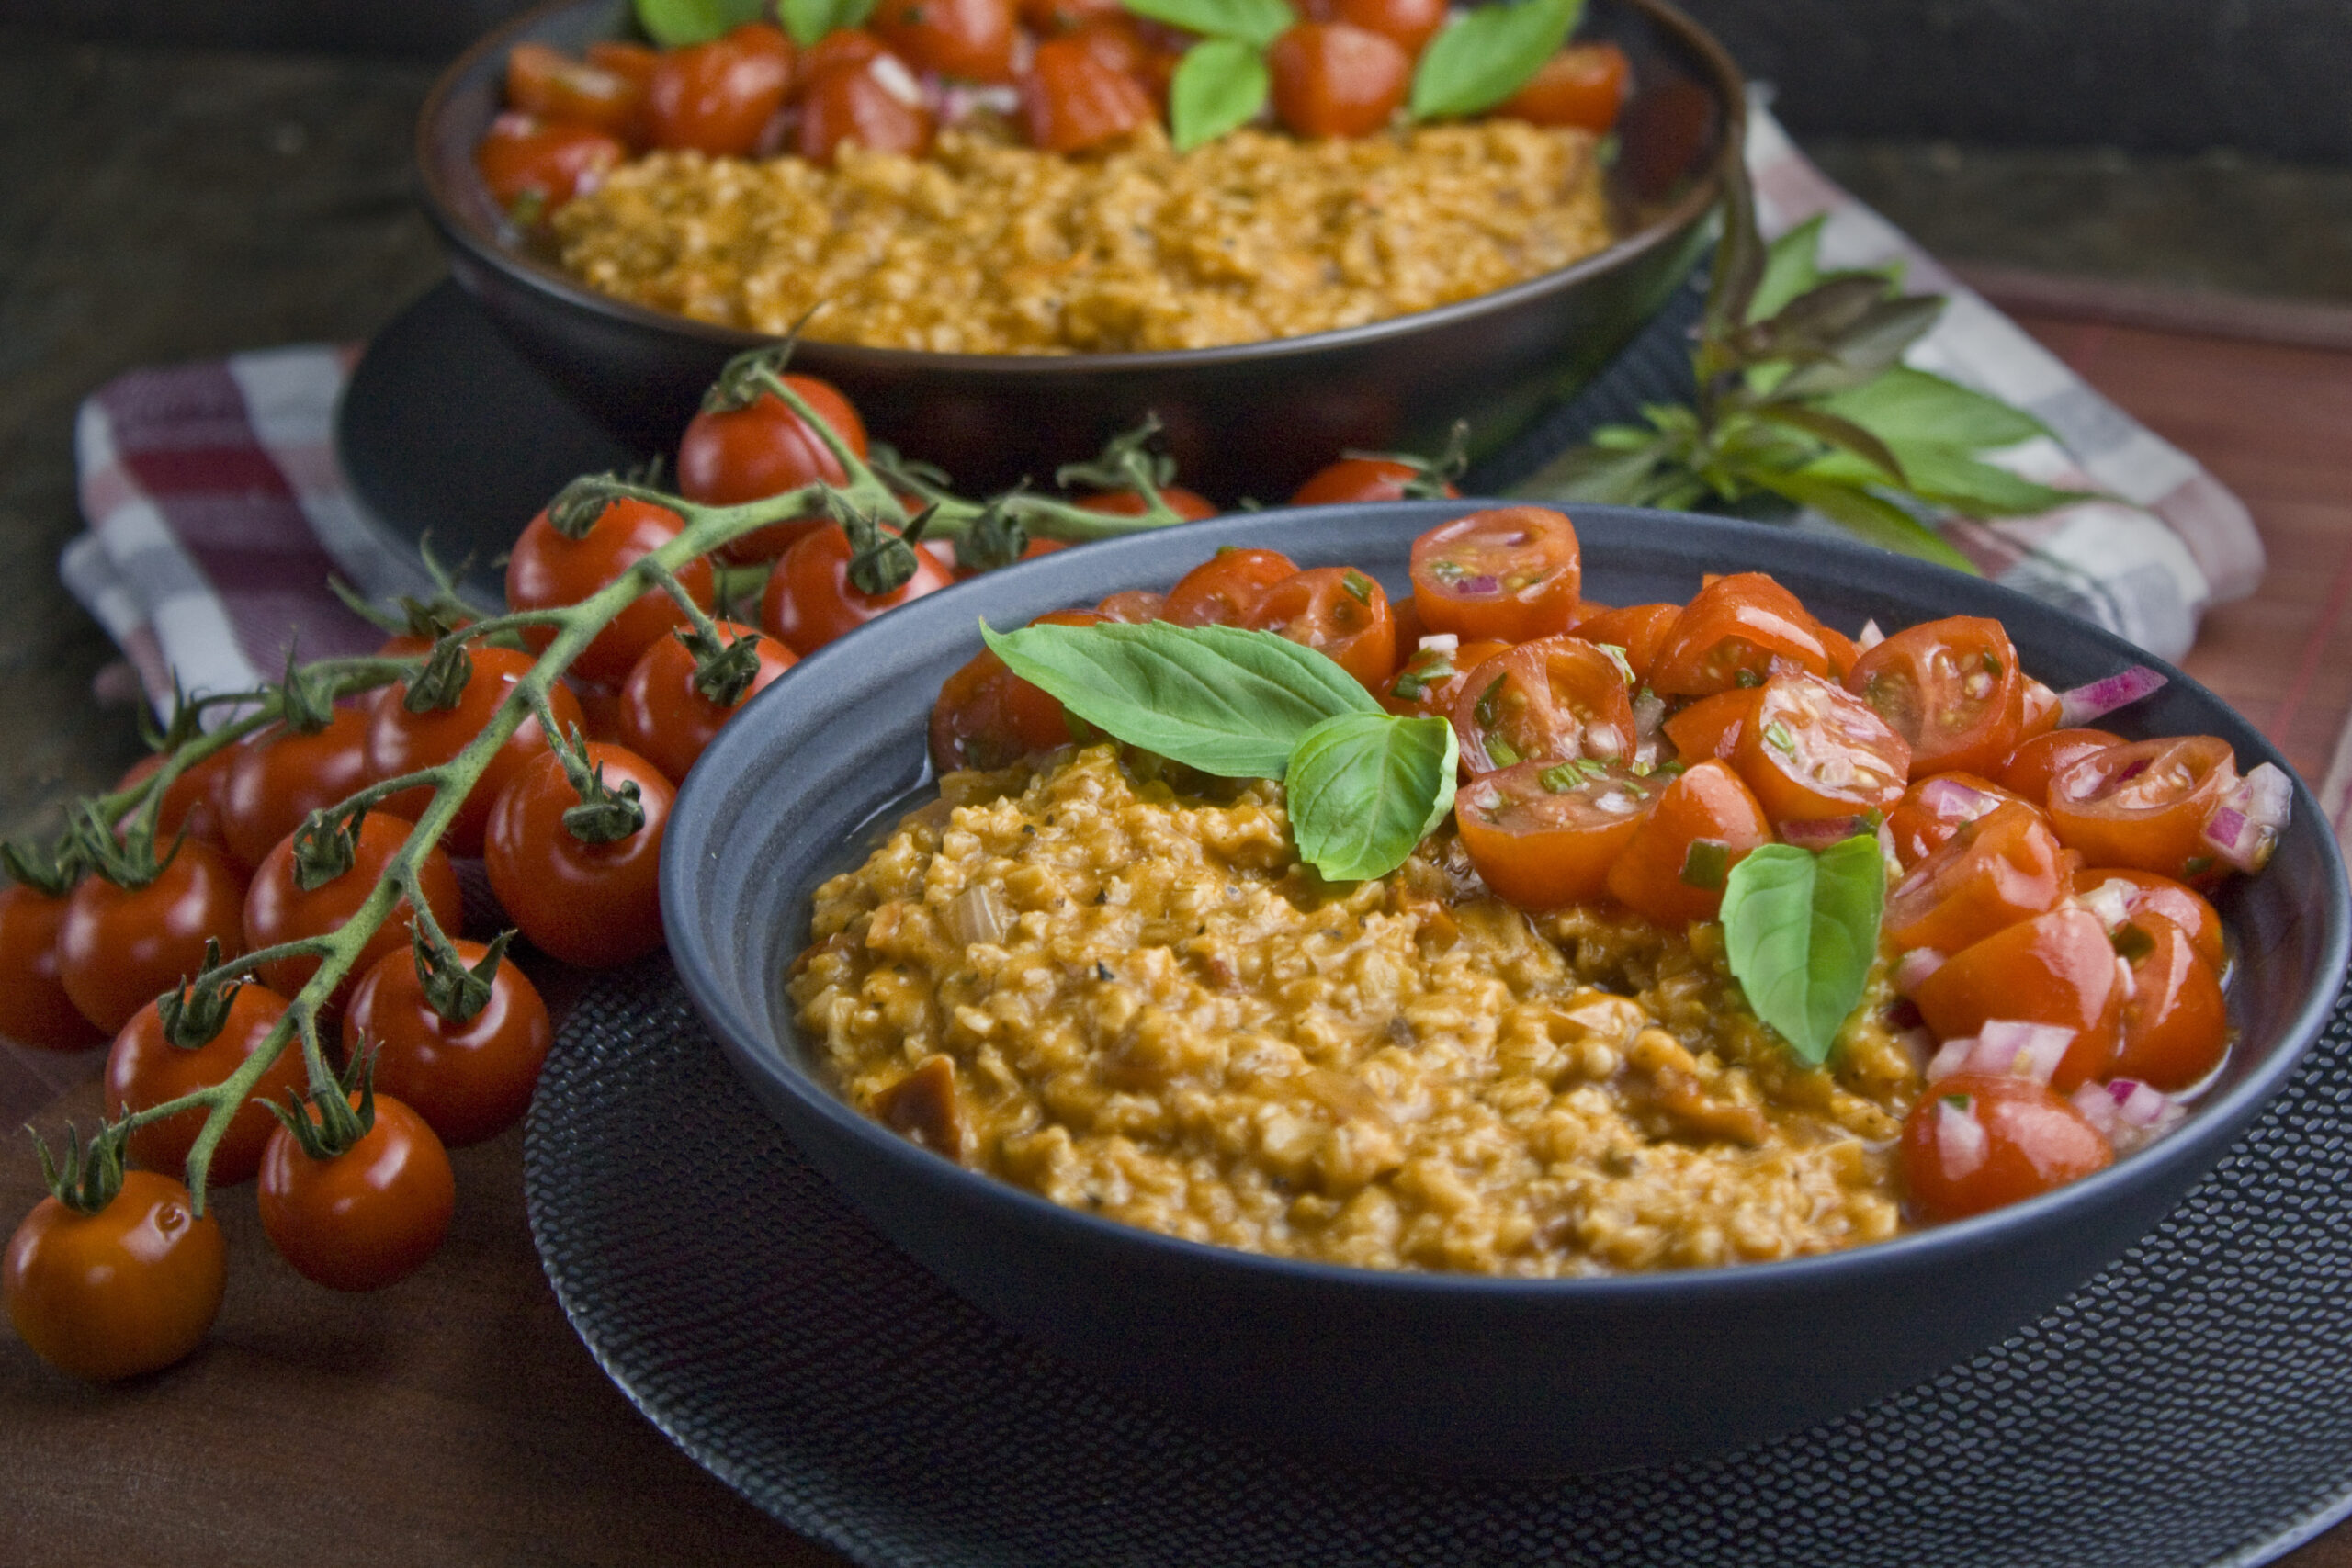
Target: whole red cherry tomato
column 719, row 97
column 1583, row 84
column 1408, row 24
column 1338, row 610
column 1364, row 479
column 1512, row 574
column 34, row 1007
column 1223, row 590
column 549, row 83
column 144, row 1068
column 130, row 1289
column 729, row 456
column 2035, row 762
column 1331, row 79
column 191, row 802
column 548, row 571
column 1815, row 750
column 1950, row 688
column 810, row 601
column 279, row 775
column 876, row 106
column 968, row 38
column 1555, row 699
column 369, row 1216
column 469, row 1079
column 1432, row 676
column 1674, row 867
column 1640, row 629
column 2145, row 893
column 1545, row 834
column 591, row 904
column 1974, row 1143
column 2175, row 1026
column 401, row 742
column 121, row 947
column 2057, row 968
column 1730, row 633
column 1188, row 504
column 666, row 719
column 1991, row 873
column 2146, row 805
column 279, row 908
column 1071, row 99
column 531, row 169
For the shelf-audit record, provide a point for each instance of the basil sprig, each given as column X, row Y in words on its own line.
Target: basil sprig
column 1487, row 53
column 1260, row 22
column 1220, row 87
column 1363, row 785
column 674, row 24
column 1801, row 930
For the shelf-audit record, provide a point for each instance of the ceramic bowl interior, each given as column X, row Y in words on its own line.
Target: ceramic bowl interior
column 1420, row 1370
column 1254, row 418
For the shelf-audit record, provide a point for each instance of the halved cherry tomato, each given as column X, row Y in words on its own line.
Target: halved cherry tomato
column 1338, row 610
column 731, row 456
column 1189, row 505
column 843, row 46
column 548, row 571
column 531, row 169
column 1640, row 629
column 1431, row 678
column 1544, row 701
column 594, row 905
column 876, row 106
column 144, row 1068
column 1114, row 39
column 130, row 1289
column 1070, row 99
column 1974, row 1143
column 1133, row 607
column 1815, row 750
column 1361, row 479
column 1950, row 688
column 666, row 719
column 1711, row 726
column 1932, row 809
column 1583, row 84
column 2175, row 1026
column 371, row 1215
column 1729, row 635
column 120, row 948
column 719, row 97
column 2035, row 762
column 401, row 742
column 622, row 58
column 1331, row 79
column 34, row 1007
column 2056, row 968
column 1408, row 24
column 470, row 1079
column 1674, row 869
column 279, row 908
column 1545, row 834
column 2041, row 708
column 279, row 775
column 971, row 40
column 986, row 717
column 1512, row 574
column 810, row 601
column 2146, row 805
column 1223, row 590
column 1990, row 874
column 2145, row 893
column 563, row 91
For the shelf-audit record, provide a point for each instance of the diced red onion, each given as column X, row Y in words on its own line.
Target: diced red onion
column 2131, row 1113
column 1946, row 797
column 2127, row 984
column 1951, row 1058
column 1482, row 584
column 2004, row 1048
column 1649, row 715
column 1443, row 642
column 2110, row 901
column 1914, row 967
column 1870, row 636
column 1820, row 834
column 890, row 73
column 2244, row 828
column 1961, row 1143
column 2102, row 698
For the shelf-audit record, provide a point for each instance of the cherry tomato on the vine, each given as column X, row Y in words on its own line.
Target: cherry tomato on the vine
column 729, row 456
column 1071, row 99
column 548, row 571
column 401, row 742
column 1188, row 504
column 367, row 1218
column 718, row 98
column 1333, row 79
column 279, row 775
column 130, row 1289
column 121, row 947
column 1583, row 84
column 666, row 719
column 1360, row 479
column 1975, row 1142
column 470, row 1079
column 191, row 802
column 591, row 904
column 876, row 105
column 971, row 40
column 34, row 1007
column 144, row 1068
column 1339, row 610
column 810, row 601
column 279, row 908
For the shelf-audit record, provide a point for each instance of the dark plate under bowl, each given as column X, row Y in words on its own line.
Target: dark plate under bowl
column 1251, row 419
column 1494, row 1376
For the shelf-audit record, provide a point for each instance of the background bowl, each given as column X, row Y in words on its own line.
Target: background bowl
column 1253, row 418
column 1477, row 1375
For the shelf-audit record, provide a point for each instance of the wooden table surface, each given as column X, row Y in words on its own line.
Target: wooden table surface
column 455, row 1419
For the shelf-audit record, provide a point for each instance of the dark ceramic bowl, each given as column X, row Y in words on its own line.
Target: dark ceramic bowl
column 1502, row 1376
column 1263, row 415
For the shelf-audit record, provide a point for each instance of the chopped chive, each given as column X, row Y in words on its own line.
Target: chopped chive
column 1484, row 712
column 1358, row 585
column 2197, row 865
column 1500, row 750
column 1777, row 736
column 2133, row 944
column 1744, row 678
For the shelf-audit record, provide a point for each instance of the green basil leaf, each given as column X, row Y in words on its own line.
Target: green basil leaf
column 1221, row 699
column 674, row 24
column 1220, row 87
column 1252, row 21
column 809, row 21
column 1484, row 57
column 1364, row 788
column 1801, row 933
column 1905, row 404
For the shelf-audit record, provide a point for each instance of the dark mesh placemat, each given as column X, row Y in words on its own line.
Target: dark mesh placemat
column 2192, row 1405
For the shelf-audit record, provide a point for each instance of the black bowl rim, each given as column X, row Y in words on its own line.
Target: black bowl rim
column 455, row 220
column 741, row 1037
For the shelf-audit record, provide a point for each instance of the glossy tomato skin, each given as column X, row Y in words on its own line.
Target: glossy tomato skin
column 719, row 97
column 120, row 948
column 1355, row 480
column 401, row 742
column 1933, row 807
column 1408, row 24
column 1711, row 726
column 809, row 599
column 1659, row 875
column 143, row 1068
column 1331, row 79
column 279, row 776
column 2145, row 893
column 731, row 456
column 2057, row 968
column 191, row 803
column 988, row 717
column 874, row 105
column 1225, row 589
column 34, row 1007
column 368, row 1218
column 1133, row 607
column 1991, row 873
column 1813, row 750
column 594, row 905
column 471, row 1080
column 1046, row 18
column 1073, row 99
column 1640, row 629
column 1729, row 634
column 548, row 571
column 843, row 46
column 1430, row 679
column 661, row 716
column 2175, row 1026
column 1188, row 504
column 1583, row 84
column 2035, row 762
column 970, row 39
column 1950, row 688
column 1552, row 699
column 128, row 1290
column 279, row 909
column 531, row 169
column 550, row 84
column 1338, row 611
column 2033, row 1142
column 2145, row 804
column 1543, row 836
column 1512, row 574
